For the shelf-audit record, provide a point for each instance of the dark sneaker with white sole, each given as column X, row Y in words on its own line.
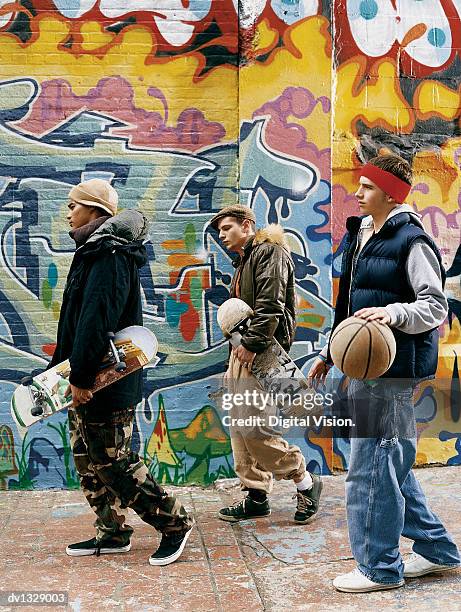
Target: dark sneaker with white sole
column 95, row 547
column 245, row 509
column 308, row 501
column 170, row 549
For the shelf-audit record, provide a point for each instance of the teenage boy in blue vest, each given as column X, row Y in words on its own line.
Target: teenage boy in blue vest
column 391, row 273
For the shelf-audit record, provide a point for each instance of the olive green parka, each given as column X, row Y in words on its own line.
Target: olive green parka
column 266, row 282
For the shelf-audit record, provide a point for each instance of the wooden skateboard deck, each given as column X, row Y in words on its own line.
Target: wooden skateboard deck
column 136, row 346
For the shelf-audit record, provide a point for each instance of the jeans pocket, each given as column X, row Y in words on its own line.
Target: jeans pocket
column 388, row 442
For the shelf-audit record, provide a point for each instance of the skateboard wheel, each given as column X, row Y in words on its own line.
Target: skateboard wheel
column 120, row 366
column 26, row 381
column 36, row 411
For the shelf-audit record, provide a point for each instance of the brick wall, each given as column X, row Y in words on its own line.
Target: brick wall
column 185, row 112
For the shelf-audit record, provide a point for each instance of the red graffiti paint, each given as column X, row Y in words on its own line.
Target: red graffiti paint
column 49, row 349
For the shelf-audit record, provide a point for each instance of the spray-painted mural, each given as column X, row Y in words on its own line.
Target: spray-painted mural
column 185, row 112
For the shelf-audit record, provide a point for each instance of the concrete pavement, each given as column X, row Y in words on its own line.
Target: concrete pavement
column 266, row 564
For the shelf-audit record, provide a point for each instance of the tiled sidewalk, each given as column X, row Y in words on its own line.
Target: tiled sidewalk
column 268, row 564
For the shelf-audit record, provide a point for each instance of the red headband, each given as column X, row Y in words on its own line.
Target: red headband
column 388, row 182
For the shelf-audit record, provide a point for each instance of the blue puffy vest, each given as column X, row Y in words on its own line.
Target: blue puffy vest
column 380, row 279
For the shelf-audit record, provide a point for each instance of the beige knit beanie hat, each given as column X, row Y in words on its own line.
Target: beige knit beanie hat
column 97, row 193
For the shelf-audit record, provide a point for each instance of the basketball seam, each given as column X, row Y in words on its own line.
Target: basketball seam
column 387, row 346
column 342, row 328
column 360, row 325
column 349, row 343
column 369, row 351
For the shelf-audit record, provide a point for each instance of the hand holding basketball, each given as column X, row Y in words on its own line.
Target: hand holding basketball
column 380, row 315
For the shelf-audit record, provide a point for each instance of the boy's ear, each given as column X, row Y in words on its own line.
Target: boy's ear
column 100, row 212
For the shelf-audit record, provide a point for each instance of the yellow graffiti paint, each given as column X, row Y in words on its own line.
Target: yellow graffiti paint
column 375, row 98
column 449, row 348
column 343, row 158
column 304, row 61
column 439, row 172
column 433, row 450
column 433, row 99
column 94, row 37
column 215, row 94
column 56, row 309
column 266, row 37
column 159, row 445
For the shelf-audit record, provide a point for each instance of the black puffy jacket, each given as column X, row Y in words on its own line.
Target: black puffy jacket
column 379, row 279
column 102, row 294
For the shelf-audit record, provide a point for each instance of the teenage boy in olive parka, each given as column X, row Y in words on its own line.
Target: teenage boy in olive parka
column 264, row 279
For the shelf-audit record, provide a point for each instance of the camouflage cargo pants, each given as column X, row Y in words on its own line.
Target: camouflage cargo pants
column 114, row 478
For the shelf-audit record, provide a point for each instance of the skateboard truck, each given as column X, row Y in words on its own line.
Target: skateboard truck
column 237, row 331
column 38, row 398
column 40, row 403
column 119, row 365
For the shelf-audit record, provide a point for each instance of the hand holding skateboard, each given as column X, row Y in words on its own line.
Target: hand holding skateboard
column 79, row 396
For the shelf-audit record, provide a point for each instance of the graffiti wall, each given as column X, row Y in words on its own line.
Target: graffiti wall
column 185, row 109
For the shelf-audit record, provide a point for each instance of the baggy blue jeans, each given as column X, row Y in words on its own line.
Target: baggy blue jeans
column 384, row 500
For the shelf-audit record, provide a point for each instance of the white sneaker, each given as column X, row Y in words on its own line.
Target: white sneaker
column 416, row 565
column 356, row 582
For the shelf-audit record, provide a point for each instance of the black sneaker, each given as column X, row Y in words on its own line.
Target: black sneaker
column 247, row 508
column 308, row 501
column 170, row 549
column 95, row 547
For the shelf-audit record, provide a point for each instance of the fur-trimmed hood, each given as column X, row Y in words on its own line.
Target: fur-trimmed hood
column 274, row 234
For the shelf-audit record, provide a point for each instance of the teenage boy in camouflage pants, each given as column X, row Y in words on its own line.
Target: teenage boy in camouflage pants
column 102, row 295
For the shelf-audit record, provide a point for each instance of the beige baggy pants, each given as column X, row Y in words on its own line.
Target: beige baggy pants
column 259, row 451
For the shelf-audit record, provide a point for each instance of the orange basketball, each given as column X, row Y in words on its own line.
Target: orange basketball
column 362, row 349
